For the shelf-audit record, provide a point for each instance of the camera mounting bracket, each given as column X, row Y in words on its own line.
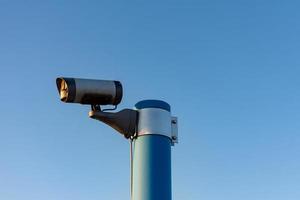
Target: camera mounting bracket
column 124, row 121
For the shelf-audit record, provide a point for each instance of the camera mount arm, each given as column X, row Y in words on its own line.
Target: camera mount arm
column 124, row 121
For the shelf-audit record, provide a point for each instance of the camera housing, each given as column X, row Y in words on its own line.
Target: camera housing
column 89, row 91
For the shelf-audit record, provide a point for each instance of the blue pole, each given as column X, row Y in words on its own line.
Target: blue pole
column 152, row 152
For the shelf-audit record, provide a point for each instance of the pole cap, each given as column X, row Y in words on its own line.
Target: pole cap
column 153, row 104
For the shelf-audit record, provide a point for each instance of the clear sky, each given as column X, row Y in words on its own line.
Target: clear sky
column 229, row 69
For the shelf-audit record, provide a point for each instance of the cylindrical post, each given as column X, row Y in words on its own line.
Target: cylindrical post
column 152, row 152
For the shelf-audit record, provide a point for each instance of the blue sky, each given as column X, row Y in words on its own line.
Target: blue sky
column 229, row 69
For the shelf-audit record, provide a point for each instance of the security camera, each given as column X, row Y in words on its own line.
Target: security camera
column 89, row 91
column 97, row 93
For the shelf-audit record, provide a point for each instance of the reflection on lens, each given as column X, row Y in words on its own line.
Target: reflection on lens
column 63, row 90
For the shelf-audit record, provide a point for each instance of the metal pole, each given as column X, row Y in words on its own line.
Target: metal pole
column 152, row 152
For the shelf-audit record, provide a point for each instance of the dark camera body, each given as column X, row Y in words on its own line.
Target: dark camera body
column 89, row 91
